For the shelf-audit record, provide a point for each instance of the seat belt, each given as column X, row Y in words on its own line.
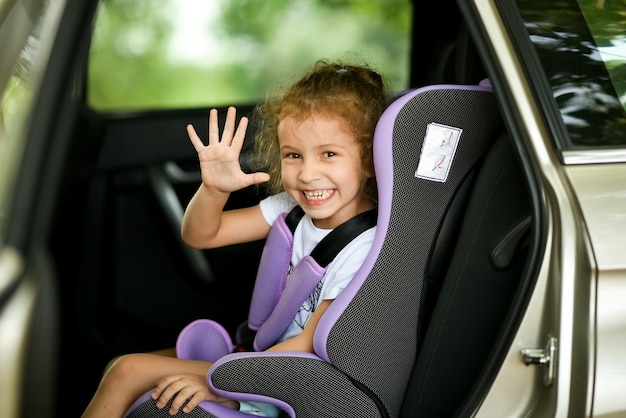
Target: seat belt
column 327, row 249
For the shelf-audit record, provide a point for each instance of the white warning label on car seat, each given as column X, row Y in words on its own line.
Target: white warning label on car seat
column 438, row 152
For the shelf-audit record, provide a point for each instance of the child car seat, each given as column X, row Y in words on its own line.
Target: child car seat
column 427, row 146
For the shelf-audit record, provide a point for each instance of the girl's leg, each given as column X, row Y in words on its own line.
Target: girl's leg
column 130, row 376
column 167, row 352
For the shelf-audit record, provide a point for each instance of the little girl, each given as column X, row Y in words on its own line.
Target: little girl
column 316, row 138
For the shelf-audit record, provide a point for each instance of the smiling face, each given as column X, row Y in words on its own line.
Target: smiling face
column 322, row 169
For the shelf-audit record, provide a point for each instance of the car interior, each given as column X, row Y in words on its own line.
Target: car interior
column 459, row 269
column 472, row 282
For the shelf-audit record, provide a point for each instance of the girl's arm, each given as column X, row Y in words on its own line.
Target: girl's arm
column 304, row 341
column 207, row 225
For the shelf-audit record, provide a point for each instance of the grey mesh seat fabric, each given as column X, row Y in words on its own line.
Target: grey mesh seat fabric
column 427, row 147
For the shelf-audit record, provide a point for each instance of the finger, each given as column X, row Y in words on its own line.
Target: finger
column 191, row 396
column 240, row 135
column 214, row 130
column 192, row 402
column 257, row 178
column 179, row 400
column 168, row 392
column 162, row 384
column 229, row 126
column 194, row 138
column 251, row 179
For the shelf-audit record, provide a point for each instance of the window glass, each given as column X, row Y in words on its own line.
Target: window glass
column 582, row 48
column 197, row 53
column 606, row 21
column 23, row 55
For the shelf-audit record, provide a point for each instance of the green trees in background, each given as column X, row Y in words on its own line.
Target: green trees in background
column 197, row 53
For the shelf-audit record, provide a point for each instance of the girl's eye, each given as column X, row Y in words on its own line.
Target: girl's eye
column 329, row 154
column 292, row 155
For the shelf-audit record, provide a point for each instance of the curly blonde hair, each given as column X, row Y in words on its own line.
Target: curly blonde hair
column 354, row 93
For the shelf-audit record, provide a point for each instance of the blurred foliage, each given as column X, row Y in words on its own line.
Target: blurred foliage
column 195, row 53
column 584, row 59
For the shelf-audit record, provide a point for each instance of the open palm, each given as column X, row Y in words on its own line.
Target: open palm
column 219, row 160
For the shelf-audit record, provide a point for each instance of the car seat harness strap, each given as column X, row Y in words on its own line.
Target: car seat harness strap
column 303, row 279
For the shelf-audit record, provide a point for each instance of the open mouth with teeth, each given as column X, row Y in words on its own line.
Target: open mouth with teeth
column 317, row 194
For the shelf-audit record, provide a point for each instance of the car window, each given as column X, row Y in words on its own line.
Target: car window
column 166, row 54
column 25, row 40
column 582, row 48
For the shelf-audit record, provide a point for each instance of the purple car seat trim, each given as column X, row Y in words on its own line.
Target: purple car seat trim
column 203, row 339
column 274, row 264
column 215, row 409
column 303, row 280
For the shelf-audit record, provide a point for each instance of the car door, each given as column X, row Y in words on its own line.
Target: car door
column 34, row 119
column 558, row 69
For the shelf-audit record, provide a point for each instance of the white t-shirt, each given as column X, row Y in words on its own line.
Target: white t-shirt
column 338, row 273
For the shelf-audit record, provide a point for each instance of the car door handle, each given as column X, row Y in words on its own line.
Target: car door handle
column 173, row 209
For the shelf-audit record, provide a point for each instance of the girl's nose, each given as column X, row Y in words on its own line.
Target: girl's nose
column 309, row 171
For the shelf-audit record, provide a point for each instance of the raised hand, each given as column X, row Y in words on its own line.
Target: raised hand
column 219, row 160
